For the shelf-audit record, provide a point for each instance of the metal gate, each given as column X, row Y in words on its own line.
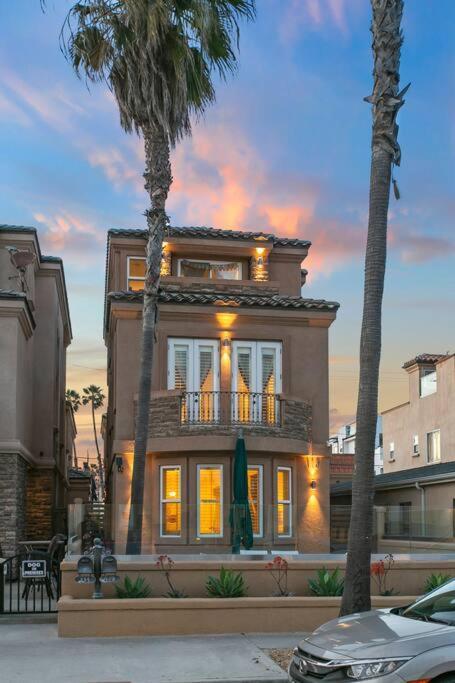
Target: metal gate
column 29, row 583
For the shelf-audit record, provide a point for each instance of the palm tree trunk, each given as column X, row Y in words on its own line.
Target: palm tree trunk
column 158, row 180
column 386, row 100
column 100, row 462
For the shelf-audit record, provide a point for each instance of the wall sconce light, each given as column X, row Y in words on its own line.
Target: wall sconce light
column 313, row 484
column 119, row 463
column 226, row 343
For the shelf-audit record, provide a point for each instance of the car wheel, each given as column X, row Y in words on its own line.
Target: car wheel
column 445, row 678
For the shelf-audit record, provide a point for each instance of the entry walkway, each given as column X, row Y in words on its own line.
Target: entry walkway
column 33, row 652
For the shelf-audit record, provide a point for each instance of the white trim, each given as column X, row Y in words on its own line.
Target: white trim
column 260, row 469
column 133, row 277
column 210, row 261
column 169, row 500
column 287, row 501
column 220, row 467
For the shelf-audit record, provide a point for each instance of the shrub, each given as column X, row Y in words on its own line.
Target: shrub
column 326, row 583
column 229, row 585
column 166, row 564
column 133, row 589
column 435, row 581
column 379, row 572
column 279, row 572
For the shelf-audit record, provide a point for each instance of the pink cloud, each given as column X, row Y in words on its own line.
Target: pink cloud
column 417, row 248
column 316, row 15
column 116, row 167
column 70, row 236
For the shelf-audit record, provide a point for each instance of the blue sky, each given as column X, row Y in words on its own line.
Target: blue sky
column 285, row 148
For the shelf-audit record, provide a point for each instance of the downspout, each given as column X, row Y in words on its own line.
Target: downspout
column 422, row 507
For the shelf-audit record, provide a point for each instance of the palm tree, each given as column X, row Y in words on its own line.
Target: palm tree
column 94, row 395
column 157, row 56
column 386, row 100
column 74, row 400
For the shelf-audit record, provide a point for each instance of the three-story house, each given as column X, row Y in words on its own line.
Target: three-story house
column 238, row 349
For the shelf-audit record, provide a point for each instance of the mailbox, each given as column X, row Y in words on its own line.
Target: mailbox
column 97, row 567
column 109, row 569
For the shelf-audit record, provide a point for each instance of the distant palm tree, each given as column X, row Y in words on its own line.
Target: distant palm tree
column 157, row 56
column 386, row 100
column 94, row 395
column 74, row 400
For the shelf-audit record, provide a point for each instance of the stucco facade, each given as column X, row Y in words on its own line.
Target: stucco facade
column 407, row 428
column 35, row 331
column 262, row 353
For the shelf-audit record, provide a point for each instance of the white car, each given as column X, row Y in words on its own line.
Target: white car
column 413, row 644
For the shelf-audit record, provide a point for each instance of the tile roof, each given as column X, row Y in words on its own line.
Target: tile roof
column 392, row 479
column 226, row 299
column 425, row 359
column 203, row 232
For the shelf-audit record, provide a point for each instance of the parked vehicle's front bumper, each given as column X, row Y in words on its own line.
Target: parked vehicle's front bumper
column 338, row 676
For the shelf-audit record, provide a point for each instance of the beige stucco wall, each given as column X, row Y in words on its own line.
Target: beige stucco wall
column 161, row 616
column 421, row 416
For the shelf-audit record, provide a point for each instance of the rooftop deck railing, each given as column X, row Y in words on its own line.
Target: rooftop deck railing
column 230, row 408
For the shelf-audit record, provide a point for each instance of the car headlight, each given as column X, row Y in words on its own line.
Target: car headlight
column 377, row 667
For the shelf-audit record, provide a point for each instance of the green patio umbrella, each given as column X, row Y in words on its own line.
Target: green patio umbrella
column 240, row 516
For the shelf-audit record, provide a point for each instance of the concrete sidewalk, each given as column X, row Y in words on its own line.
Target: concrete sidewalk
column 33, row 652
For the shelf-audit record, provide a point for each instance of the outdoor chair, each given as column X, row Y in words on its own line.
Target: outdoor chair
column 53, row 556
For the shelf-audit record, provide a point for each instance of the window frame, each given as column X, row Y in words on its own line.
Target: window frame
column 260, row 469
column 286, row 468
column 132, row 277
column 415, row 446
column 193, row 343
column 433, row 431
column 220, row 467
column 209, row 261
column 163, row 500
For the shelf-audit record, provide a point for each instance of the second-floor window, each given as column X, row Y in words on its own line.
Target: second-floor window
column 415, row 445
column 136, row 273
column 392, row 451
column 256, row 381
column 434, row 446
column 211, row 270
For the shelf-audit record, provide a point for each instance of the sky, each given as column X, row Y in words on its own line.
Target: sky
column 285, row 149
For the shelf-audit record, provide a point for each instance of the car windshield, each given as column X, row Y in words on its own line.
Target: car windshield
column 438, row 606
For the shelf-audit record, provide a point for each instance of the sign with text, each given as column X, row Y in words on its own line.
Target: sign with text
column 33, row 569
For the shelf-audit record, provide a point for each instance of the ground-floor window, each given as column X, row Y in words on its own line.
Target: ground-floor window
column 171, row 500
column 210, row 500
column 284, row 501
column 255, row 493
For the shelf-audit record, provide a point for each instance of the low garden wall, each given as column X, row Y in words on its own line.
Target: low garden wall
column 170, row 616
column 407, row 576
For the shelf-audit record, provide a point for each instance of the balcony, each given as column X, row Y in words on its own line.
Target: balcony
column 175, row 414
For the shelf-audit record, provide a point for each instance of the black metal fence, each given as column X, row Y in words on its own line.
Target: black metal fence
column 29, row 583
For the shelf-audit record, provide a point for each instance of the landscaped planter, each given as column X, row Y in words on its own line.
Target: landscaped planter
column 167, row 616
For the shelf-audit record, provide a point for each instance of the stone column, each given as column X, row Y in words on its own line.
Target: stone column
column 13, row 478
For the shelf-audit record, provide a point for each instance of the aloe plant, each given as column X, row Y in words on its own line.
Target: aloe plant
column 230, row 584
column 435, row 581
column 326, row 583
column 133, row 589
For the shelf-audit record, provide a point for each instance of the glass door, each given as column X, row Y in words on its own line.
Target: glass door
column 256, row 381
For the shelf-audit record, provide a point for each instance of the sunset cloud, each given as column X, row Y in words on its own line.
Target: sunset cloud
column 419, row 248
column 65, row 234
column 316, row 15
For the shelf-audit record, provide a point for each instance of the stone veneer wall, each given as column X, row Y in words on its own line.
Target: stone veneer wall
column 13, row 478
column 165, row 421
column 40, row 495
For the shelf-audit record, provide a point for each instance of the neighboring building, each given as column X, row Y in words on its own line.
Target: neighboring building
column 422, row 431
column 237, row 347
column 341, row 467
column 344, row 443
column 413, row 506
column 35, row 330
